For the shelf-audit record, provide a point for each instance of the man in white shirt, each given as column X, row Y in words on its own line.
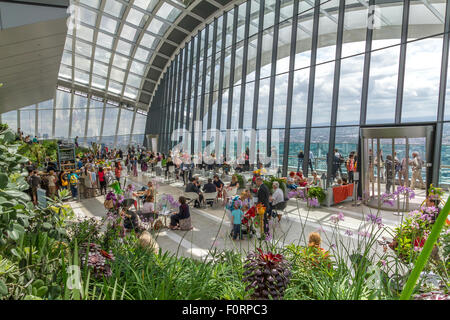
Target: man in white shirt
column 277, row 197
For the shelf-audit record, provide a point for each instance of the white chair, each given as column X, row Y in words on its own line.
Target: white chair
column 191, row 197
column 210, row 196
column 171, row 173
column 231, row 193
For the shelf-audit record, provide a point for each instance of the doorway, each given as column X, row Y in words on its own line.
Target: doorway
column 393, row 157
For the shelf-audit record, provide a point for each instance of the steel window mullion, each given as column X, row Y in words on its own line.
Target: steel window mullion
column 103, row 122
column 197, row 71
column 189, row 89
column 183, row 108
column 366, row 70
column 273, row 72
column 312, row 75
column 401, row 68
column 203, row 90
column 335, row 99
column 87, row 119
column 71, row 111
column 173, row 101
column 258, row 64
column 441, row 103
column 244, row 64
column 232, row 66
column 221, row 72
column 212, row 74
column 117, row 125
column 179, row 86
column 169, row 107
column 132, row 125
column 287, row 134
column 36, row 120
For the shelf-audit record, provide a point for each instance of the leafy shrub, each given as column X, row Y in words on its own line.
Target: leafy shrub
column 317, row 193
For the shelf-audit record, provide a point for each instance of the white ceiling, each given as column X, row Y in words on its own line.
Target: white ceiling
column 30, row 57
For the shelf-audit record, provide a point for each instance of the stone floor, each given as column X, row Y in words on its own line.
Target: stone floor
column 212, row 227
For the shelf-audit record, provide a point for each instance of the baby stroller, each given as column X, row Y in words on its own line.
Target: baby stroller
column 247, row 223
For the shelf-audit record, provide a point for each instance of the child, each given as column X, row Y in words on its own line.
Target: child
column 237, row 218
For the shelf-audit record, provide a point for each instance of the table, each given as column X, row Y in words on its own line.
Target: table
column 165, row 213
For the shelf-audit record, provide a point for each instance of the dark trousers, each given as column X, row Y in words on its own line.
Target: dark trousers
column 174, row 220
column 102, row 186
column 237, row 231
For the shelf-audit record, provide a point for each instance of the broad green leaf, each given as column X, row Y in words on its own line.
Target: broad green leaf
column 13, row 235
column 3, row 288
column 47, row 225
column 15, row 194
column 3, row 180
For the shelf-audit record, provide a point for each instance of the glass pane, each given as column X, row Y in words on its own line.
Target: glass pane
column 248, row 105
column 82, row 63
column 95, row 122
column 354, row 37
column 134, row 81
column 296, row 144
column 326, row 46
column 135, row 17
column 148, row 41
column 126, row 119
column 300, row 98
column 10, row 118
column 139, row 124
column 79, row 102
column 105, row 40
column 100, row 69
column 120, row 61
column 382, row 91
column 62, row 124
column 426, row 18
column 142, row 54
column 84, row 33
column 114, row 8
column 148, row 5
column 157, row 27
column 420, row 98
column 115, row 87
column 138, row 68
column 129, row 33
column 279, row 107
column 319, row 147
column 83, row 48
column 223, row 118
column 387, row 20
column 444, row 172
column 263, row 104
column 98, row 82
column 81, row 77
column 124, row 47
column 304, row 41
column 45, row 124
column 266, row 57
column 102, row 55
column 87, row 16
column 63, row 99
column 323, row 94
column 110, row 121
column 78, row 122
column 27, row 122
column 46, row 104
column 168, row 12
column 284, row 46
column 350, row 86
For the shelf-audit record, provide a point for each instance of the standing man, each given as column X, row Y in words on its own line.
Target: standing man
column 76, row 141
column 337, row 163
column 300, row 157
column 263, row 195
column 416, row 164
column 310, row 160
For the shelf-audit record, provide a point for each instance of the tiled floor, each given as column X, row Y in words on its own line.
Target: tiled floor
column 212, row 226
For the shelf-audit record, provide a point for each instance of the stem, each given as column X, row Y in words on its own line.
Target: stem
column 426, row 251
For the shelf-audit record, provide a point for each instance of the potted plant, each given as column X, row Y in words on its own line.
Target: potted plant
column 315, row 193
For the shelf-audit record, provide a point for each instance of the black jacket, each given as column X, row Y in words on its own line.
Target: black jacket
column 263, row 195
column 191, row 188
column 209, row 188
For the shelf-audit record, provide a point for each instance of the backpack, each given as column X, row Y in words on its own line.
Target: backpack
column 73, row 180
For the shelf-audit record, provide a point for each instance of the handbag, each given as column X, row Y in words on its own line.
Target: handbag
column 109, row 204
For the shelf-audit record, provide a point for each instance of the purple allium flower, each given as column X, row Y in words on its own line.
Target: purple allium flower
column 313, row 202
column 349, row 233
column 383, row 263
column 364, row 234
column 333, row 246
column 338, row 217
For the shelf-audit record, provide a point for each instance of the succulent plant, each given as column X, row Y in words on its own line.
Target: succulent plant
column 268, row 275
column 98, row 259
column 432, row 295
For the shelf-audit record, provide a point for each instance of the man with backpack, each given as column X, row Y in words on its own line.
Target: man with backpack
column 73, row 182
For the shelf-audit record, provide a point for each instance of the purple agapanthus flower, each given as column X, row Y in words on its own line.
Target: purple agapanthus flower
column 364, row 234
column 349, row 233
column 313, row 202
column 338, row 217
column 374, row 219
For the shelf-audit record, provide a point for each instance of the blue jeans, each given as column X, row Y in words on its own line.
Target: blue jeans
column 74, row 190
column 299, row 164
column 237, row 231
